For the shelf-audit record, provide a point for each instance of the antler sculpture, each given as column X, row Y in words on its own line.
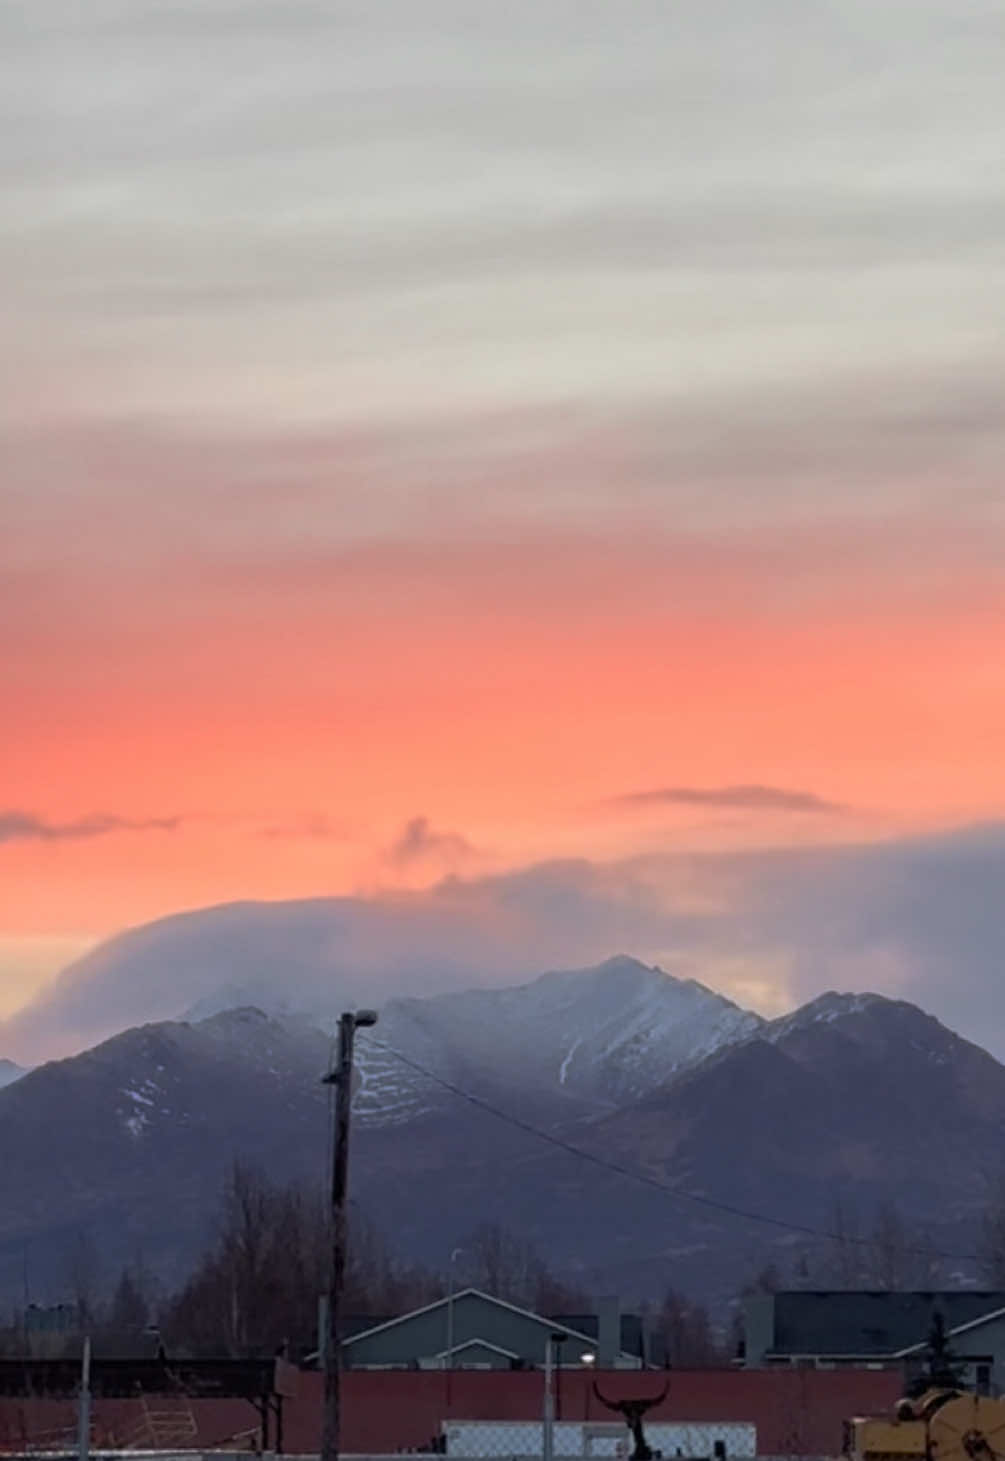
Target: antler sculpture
column 632, row 1412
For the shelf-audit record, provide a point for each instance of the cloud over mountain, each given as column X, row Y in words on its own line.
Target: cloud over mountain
column 918, row 918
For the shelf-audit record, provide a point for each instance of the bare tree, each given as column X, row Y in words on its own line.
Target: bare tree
column 510, row 1267
column 991, row 1242
column 890, row 1254
column 502, row 1264
column 261, row 1277
column 802, row 1271
column 83, row 1277
column 768, row 1281
column 901, row 1254
column 845, row 1264
column 552, row 1295
column 259, row 1282
column 682, row 1334
column 128, row 1312
column 889, row 1249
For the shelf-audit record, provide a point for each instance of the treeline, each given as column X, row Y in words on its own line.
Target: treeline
column 123, row 1321
column 256, row 1286
column 259, row 1282
column 883, row 1250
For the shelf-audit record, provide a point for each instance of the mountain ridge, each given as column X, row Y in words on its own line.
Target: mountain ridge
column 607, row 1033
column 130, row 1141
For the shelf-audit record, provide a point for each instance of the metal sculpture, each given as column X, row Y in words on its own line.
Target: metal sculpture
column 632, row 1411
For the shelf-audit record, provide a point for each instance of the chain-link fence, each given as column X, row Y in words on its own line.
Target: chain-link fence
column 476, row 1439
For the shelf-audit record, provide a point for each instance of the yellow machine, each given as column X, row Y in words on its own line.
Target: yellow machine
column 941, row 1425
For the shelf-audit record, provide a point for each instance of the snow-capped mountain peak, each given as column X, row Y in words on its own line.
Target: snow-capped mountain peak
column 826, row 1009
column 599, row 1036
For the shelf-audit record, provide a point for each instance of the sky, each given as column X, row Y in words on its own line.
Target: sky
column 440, row 442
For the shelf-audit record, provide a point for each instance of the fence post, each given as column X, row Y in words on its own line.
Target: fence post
column 548, row 1428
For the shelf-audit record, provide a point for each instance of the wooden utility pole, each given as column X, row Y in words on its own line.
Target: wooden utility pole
column 341, row 1078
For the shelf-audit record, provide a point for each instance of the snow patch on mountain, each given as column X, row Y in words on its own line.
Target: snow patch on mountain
column 601, row 1036
column 569, row 1044
column 826, row 1009
column 564, row 1071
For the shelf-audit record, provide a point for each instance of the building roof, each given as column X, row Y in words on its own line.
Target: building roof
column 863, row 1323
column 960, row 1329
column 469, row 1293
column 507, row 1354
column 128, row 1378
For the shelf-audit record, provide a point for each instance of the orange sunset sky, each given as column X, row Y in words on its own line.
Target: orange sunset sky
column 400, row 482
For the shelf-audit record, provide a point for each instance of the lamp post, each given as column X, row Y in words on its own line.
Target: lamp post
column 548, row 1428
column 588, row 1360
column 341, row 1079
column 449, row 1359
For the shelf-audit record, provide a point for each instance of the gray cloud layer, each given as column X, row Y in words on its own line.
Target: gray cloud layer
column 716, row 205
column 917, row 918
column 419, row 841
column 18, row 826
column 746, row 798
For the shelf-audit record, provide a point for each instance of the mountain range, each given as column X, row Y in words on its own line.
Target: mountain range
column 622, row 1119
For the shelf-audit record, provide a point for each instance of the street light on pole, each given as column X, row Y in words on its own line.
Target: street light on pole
column 341, row 1078
column 548, row 1432
column 449, row 1359
column 588, row 1360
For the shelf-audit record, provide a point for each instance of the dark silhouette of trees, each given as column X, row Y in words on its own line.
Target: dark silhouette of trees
column 509, row 1267
column 682, row 1335
column 129, row 1310
column 83, row 1277
column 890, row 1253
column 991, row 1240
column 259, row 1283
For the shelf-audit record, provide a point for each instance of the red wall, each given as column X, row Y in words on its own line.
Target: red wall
column 796, row 1412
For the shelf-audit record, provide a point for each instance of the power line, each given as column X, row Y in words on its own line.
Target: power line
column 643, row 1178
